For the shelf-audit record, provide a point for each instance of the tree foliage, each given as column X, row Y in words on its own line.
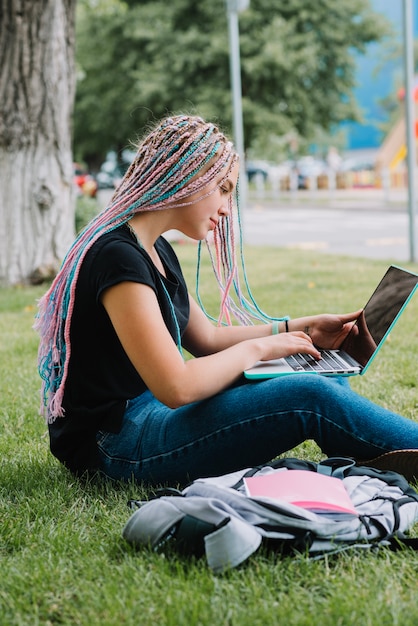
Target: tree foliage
column 141, row 60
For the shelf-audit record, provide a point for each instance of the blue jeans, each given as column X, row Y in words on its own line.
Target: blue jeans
column 249, row 424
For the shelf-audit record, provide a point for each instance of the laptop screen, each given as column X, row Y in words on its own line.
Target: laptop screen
column 379, row 314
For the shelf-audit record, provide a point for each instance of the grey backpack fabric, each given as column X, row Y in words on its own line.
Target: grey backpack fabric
column 215, row 517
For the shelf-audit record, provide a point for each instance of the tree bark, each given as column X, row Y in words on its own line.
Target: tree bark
column 37, row 85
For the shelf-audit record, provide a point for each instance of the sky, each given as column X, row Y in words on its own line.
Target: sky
column 373, row 87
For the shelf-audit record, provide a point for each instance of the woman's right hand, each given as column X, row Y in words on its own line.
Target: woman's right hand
column 286, row 344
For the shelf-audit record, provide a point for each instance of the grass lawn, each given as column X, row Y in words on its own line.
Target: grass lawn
column 63, row 559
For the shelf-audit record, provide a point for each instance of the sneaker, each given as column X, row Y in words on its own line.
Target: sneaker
column 404, row 462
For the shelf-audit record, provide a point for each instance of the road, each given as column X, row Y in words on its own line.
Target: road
column 353, row 232
column 364, row 223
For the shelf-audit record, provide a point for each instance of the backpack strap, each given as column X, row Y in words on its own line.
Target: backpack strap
column 231, row 544
column 288, row 462
column 335, row 466
column 190, row 533
column 400, row 543
column 153, row 523
column 388, row 476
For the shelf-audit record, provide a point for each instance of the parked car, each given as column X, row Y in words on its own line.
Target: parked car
column 109, row 177
column 358, row 165
column 113, row 169
column 308, row 169
column 257, row 168
column 84, row 183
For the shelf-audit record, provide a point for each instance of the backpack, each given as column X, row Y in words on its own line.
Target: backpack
column 215, row 516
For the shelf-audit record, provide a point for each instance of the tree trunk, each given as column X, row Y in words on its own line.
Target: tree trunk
column 37, row 84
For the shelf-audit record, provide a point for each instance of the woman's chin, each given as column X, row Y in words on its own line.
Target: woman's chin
column 210, row 236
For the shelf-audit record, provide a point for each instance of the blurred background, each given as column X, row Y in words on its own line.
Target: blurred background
column 322, row 87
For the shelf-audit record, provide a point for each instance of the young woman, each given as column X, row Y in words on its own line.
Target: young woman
column 119, row 396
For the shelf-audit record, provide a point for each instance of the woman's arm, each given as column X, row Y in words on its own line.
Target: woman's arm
column 202, row 337
column 136, row 317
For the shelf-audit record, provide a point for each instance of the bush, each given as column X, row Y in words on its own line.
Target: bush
column 86, row 209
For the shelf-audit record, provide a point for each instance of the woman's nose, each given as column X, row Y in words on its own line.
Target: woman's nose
column 224, row 208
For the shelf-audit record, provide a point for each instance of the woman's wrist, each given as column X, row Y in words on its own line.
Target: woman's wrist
column 280, row 327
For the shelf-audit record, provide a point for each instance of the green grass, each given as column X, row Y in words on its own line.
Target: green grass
column 62, row 556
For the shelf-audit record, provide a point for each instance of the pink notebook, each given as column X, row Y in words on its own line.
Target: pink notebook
column 310, row 490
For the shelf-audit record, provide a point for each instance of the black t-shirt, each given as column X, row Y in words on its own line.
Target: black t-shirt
column 101, row 378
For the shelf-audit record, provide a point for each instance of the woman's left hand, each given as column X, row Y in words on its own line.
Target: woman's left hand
column 328, row 331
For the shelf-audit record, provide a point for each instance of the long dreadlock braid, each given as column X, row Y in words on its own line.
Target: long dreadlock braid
column 180, row 157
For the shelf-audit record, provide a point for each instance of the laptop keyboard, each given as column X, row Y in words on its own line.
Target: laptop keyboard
column 329, row 361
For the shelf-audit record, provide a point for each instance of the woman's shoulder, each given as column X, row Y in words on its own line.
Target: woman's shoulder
column 115, row 257
column 113, row 244
column 121, row 239
column 118, row 236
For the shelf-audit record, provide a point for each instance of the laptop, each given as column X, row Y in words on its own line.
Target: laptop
column 364, row 340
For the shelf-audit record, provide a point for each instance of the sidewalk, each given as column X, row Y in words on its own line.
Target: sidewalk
column 371, row 199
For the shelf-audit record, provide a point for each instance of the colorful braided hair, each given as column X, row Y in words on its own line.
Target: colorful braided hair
column 180, row 157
